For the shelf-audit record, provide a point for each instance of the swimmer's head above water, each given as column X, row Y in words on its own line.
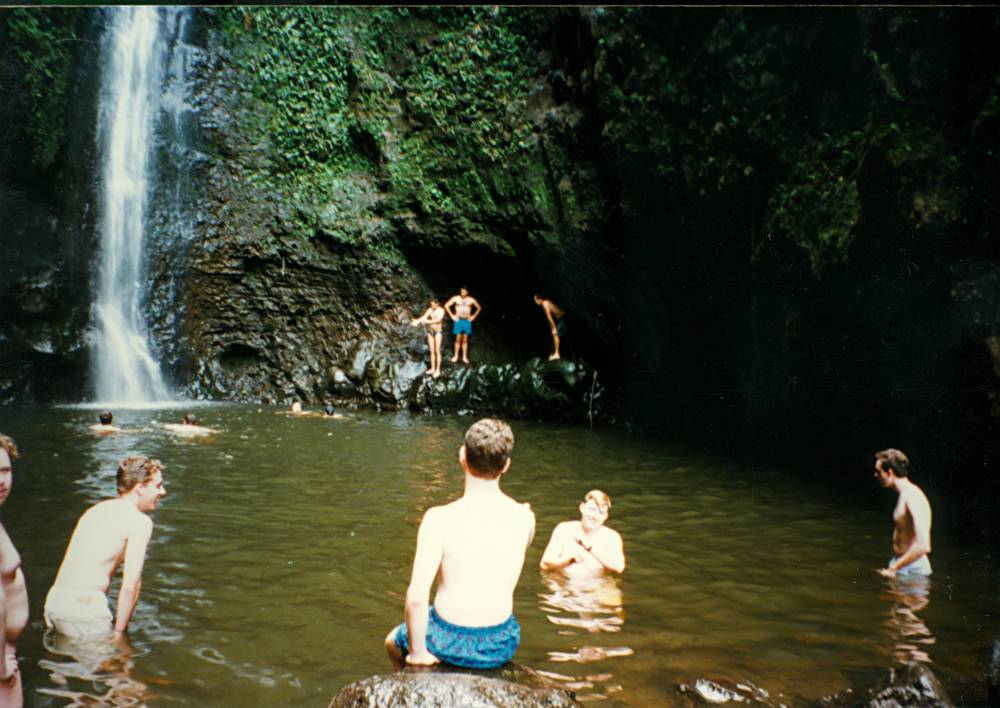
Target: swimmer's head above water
column 189, row 419
column 106, row 418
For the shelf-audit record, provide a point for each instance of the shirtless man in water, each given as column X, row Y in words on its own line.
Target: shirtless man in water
column 586, row 546
column 911, row 537
column 105, row 426
column 475, row 546
column 189, row 427
column 433, row 318
column 112, row 533
column 459, row 309
column 13, row 593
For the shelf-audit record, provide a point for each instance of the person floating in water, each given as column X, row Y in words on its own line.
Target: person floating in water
column 105, row 426
column 459, row 308
column 13, row 592
column 111, row 533
column 911, row 537
column 586, row 546
column 475, row 547
column 557, row 323
column 189, row 427
column 433, row 318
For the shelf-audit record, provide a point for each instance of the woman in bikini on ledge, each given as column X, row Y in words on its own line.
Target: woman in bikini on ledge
column 433, row 318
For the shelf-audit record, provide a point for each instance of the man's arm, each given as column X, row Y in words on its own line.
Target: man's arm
column 426, row 561
column 448, row 305
column 561, row 551
column 611, row 554
column 135, row 557
column 423, row 319
column 547, row 308
column 479, row 308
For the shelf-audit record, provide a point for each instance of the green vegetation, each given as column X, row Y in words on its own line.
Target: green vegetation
column 39, row 52
column 426, row 102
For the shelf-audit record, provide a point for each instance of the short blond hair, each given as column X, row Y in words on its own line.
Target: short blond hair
column 7, row 443
column 136, row 470
column 600, row 498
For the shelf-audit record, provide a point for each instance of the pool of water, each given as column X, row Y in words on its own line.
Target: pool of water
column 282, row 552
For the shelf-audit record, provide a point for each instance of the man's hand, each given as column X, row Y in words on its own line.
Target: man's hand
column 423, row 659
column 886, row 572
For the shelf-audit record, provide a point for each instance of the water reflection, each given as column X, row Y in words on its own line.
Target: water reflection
column 591, row 604
column 101, row 664
column 910, row 635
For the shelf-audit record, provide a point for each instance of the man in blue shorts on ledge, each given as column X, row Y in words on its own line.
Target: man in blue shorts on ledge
column 459, row 309
column 475, row 546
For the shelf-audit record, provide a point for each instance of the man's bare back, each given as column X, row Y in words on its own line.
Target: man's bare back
column 99, row 542
column 482, row 554
column 475, row 548
column 912, row 500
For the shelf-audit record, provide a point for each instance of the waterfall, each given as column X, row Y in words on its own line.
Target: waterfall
column 134, row 55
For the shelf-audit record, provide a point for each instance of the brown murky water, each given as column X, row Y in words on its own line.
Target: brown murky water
column 283, row 548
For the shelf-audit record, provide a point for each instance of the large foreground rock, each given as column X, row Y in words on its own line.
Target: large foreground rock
column 910, row 685
column 446, row 689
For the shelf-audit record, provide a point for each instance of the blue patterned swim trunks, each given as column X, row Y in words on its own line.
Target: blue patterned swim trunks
column 470, row 647
column 462, row 327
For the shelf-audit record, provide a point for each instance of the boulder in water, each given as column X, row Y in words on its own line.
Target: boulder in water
column 448, row 688
column 913, row 684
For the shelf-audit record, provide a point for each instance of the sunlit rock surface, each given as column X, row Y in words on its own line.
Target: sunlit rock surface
column 445, row 688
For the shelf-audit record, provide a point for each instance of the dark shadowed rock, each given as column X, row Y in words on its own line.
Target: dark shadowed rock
column 447, row 688
column 910, row 685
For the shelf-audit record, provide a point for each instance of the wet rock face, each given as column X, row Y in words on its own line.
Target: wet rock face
column 447, row 689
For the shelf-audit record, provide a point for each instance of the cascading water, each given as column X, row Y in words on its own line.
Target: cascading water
column 134, row 56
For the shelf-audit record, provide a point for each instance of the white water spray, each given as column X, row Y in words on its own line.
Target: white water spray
column 125, row 371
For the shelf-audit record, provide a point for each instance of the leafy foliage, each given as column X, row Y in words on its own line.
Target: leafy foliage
column 42, row 42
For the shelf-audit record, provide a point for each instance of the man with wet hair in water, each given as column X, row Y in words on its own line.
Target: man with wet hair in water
column 586, row 546
column 13, row 592
column 475, row 547
column 459, row 309
column 911, row 536
column 112, row 533
column 105, row 426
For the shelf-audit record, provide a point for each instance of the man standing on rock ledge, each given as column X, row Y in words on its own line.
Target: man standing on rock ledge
column 459, row 308
column 911, row 538
column 475, row 545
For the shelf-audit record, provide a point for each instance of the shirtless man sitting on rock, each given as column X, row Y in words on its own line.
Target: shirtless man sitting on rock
column 112, row 533
column 586, row 546
column 475, row 546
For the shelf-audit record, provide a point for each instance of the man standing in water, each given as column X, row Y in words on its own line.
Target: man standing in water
column 13, row 593
column 911, row 537
column 111, row 533
column 554, row 314
column 459, row 308
column 586, row 546
column 475, row 546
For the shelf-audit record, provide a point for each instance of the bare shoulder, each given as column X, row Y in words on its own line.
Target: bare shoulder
column 611, row 535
